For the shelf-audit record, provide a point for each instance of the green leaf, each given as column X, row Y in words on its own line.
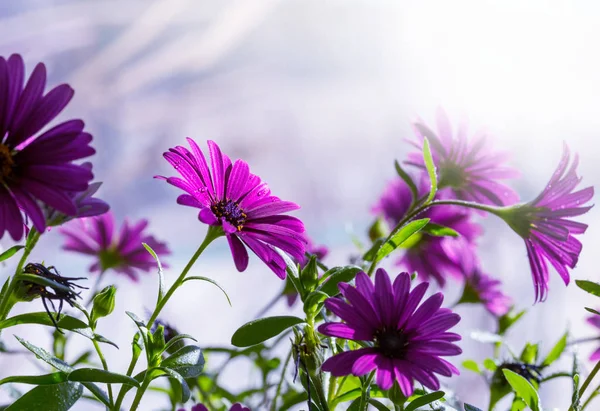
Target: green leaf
column 591, row 310
column 589, row 287
column 98, row 375
column 378, row 405
column 176, row 339
column 424, row 400
column 187, row 361
column 518, row 405
column 314, row 301
column 57, row 397
column 372, row 252
column 185, row 389
column 408, row 180
column 469, row 407
column 161, row 276
column 439, row 230
column 529, row 354
column 262, row 329
column 199, row 278
column 335, row 276
column 508, row 320
column 471, row 366
column 400, row 237
column 557, row 351
column 489, row 364
column 46, row 379
column 10, row 252
column 523, row 389
column 430, row 166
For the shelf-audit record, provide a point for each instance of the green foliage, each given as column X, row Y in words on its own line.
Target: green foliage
column 556, row 351
column 10, row 252
column 262, row 329
column 58, row 397
column 589, row 287
column 508, row 320
column 439, row 230
column 523, row 389
column 332, row 277
column 408, row 180
column 424, row 400
column 431, row 171
column 103, row 303
column 399, row 238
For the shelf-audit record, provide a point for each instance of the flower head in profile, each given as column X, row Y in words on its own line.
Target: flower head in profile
column 228, row 195
column 468, row 166
column 37, row 170
column 408, row 338
column 484, row 289
column 594, row 321
column 202, row 407
column 122, row 252
column 546, row 226
column 431, row 256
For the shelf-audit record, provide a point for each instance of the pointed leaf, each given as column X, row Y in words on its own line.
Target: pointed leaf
column 431, row 171
column 591, row 310
column 335, row 276
column 46, row 379
column 400, row 237
column 98, row 375
column 471, row 366
column 424, row 400
column 199, row 278
column 589, row 287
column 187, row 361
column 439, row 230
column 469, row 407
column 161, row 277
column 185, row 389
column 523, row 389
column 557, row 351
column 408, row 180
column 10, row 252
column 262, row 329
column 57, row 397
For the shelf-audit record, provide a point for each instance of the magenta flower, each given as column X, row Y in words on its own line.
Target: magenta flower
column 428, row 255
column 469, row 167
column 123, row 252
column 37, row 168
column 233, row 198
column 546, row 228
column 594, row 320
column 407, row 342
column 234, row 407
column 482, row 288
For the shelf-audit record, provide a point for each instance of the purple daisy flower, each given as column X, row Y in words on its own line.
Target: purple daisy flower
column 86, row 204
column 37, row 168
column 123, row 252
column 545, row 226
column 408, row 342
column 594, row 320
column 202, row 407
column 432, row 256
column 231, row 197
column 469, row 167
column 482, row 288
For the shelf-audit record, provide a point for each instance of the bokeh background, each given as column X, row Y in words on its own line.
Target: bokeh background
column 317, row 96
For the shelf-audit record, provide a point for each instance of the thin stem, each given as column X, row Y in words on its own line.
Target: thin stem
column 332, row 388
column 583, row 340
column 366, row 390
column 140, row 394
column 105, row 366
column 280, row 384
column 212, row 233
column 590, row 398
column 587, row 382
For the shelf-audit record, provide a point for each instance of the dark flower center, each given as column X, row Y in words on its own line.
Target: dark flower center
column 231, row 212
column 452, row 175
column 6, row 163
column 391, row 343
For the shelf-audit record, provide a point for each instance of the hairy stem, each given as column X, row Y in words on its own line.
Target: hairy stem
column 587, row 382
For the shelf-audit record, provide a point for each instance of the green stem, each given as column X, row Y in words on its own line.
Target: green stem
column 140, row 394
column 332, row 388
column 280, row 384
column 366, row 391
column 587, row 382
column 590, row 398
column 212, row 233
column 105, row 366
column 5, row 304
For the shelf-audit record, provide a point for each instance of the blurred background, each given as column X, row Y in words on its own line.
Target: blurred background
column 317, row 96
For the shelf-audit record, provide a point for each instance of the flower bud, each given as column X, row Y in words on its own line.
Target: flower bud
column 104, row 302
column 309, row 276
column 378, row 229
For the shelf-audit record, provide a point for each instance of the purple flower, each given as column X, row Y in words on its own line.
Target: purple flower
column 546, row 228
column 481, row 288
column 234, row 407
column 469, row 167
column 86, row 204
column 228, row 195
column 34, row 167
column 320, row 251
column 594, row 320
column 428, row 255
column 123, row 252
column 407, row 341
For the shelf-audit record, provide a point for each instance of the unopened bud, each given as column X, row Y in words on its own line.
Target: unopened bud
column 104, row 302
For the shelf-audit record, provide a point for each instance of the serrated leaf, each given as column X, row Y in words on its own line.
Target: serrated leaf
column 209, row 280
column 424, row 400
column 57, row 397
column 98, row 375
column 408, row 180
column 10, row 252
column 589, row 287
column 400, row 237
column 431, row 171
column 187, row 361
column 161, row 276
column 440, row 230
column 523, row 389
column 471, row 366
column 335, row 276
column 262, row 329
column 556, row 351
